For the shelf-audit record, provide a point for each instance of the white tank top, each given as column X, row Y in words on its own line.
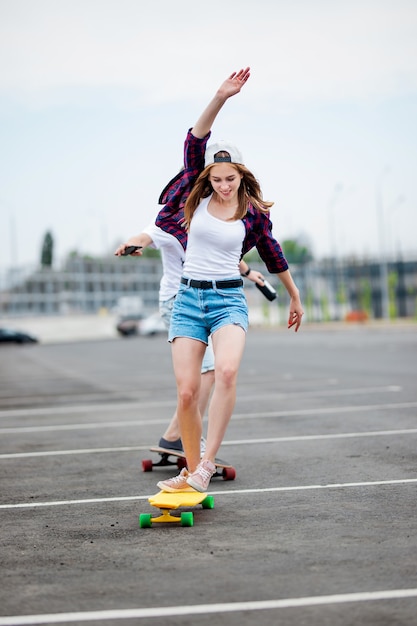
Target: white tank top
column 214, row 247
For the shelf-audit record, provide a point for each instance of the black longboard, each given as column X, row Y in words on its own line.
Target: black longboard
column 223, row 468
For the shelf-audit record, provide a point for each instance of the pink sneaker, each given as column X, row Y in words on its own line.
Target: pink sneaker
column 177, row 483
column 200, row 479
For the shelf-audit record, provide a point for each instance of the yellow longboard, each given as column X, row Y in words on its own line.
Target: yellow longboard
column 168, row 502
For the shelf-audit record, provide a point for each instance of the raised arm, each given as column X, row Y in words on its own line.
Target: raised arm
column 228, row 88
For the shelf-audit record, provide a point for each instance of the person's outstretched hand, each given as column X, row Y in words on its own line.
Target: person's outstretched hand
column 234, row 83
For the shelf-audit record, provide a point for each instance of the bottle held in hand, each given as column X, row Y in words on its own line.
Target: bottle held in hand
column 268, row 290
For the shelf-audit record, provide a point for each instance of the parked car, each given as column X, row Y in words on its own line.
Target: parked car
column 128, row 325
column 8, row 335
column 148, row 326
column 152, row 325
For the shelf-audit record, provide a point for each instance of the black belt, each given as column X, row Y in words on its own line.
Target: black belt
column 211, row 284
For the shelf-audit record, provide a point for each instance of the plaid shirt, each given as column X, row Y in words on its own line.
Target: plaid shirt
column 170, row 218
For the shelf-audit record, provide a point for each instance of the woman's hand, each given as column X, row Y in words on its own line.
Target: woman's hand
column 256, row 277
column 234, row 83
column 296, row 313
column 121, row 250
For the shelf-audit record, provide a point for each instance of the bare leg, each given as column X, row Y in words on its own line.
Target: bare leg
column 207, row 382
column 172, row 432
column 187, row 356
column 228, row 344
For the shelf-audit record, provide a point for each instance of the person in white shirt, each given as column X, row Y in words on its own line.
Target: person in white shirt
column 173, row 256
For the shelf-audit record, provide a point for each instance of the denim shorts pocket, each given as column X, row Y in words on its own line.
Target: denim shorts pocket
column 180, row 294
column 234, row 295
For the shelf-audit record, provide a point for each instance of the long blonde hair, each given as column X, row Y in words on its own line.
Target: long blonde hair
column 248, row 192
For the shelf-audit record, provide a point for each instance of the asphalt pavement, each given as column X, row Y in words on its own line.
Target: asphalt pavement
column 318, row 528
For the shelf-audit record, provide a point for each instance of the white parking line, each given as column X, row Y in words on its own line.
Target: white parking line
column 126, row 406
column 236, row 442
column 237, row 416
column 205, row 609
column 374, row 483
column 24, row 455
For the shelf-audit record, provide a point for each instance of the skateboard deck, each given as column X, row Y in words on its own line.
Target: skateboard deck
column 223, row 468
column 168, row 502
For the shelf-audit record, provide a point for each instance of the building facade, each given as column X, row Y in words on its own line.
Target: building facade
column 330, row 290
column 81, row 286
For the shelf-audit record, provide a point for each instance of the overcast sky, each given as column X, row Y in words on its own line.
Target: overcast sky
column 96, row 97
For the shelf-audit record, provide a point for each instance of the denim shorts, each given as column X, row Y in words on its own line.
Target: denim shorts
column 165, row 309
column 198, row 313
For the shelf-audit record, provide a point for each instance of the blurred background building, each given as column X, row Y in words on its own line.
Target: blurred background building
column 331, row 289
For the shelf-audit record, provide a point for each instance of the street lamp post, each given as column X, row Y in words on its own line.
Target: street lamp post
column 383, row 263
column 393, row 243
column 338, row 189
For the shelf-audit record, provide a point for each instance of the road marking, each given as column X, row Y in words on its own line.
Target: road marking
column 235, row 442
column 205, row 609
column 237, row 416
column 23, row 455
column 375, row 483
column 370, row 433
column 125, row 406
